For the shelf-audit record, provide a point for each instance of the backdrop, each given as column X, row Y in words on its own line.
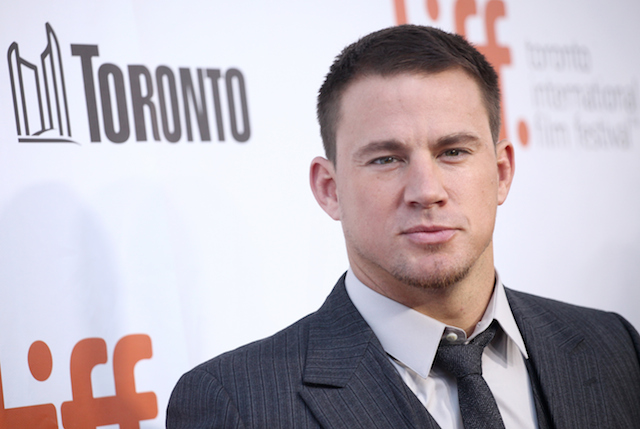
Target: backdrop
column 154, row 200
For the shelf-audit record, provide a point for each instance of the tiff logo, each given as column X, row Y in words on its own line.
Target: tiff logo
column 39, row 94
column 499, row 55
column 127, row 408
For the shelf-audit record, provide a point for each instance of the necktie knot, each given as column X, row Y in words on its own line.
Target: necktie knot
column 465, row 359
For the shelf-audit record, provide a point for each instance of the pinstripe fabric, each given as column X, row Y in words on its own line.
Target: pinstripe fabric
column 329, row 370
column 587, row 363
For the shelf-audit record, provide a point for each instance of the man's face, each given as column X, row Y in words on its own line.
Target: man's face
column 417, row 179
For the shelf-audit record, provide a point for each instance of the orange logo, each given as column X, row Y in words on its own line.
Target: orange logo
column 126, row 408
column 498, row 55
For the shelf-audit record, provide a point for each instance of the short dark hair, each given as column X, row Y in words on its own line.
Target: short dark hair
column 403, row 49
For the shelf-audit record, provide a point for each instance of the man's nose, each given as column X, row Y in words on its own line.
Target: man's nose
column 424, row 185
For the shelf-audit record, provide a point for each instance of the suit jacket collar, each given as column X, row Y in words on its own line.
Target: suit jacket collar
column 348, row 379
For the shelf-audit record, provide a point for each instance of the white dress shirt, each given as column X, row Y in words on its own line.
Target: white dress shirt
column 411, row 340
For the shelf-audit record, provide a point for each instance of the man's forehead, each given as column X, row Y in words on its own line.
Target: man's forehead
column 363, row 83
column 368, row 88
column 373, row 75
column 371, row 78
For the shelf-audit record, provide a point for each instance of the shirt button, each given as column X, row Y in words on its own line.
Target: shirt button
column 451, row 337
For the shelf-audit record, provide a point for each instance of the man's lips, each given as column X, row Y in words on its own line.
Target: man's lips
column 429, row 234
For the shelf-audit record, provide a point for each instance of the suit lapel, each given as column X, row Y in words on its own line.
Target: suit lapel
column 562, row 366
column 348, row 379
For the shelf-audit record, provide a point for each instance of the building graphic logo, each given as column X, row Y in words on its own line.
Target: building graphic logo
column 133, row 102
column 39, row 95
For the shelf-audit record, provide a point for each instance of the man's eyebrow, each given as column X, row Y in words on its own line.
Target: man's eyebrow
column 378, row 146
column 457, row 138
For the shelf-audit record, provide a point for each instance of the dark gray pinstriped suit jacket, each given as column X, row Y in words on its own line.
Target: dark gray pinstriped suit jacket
column 329, row 370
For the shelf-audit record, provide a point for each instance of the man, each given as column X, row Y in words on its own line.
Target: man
column 410, row 119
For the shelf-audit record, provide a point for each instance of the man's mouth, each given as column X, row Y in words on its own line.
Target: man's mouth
column 429, row 234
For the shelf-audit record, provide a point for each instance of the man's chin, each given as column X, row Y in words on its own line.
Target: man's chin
column 437, row 278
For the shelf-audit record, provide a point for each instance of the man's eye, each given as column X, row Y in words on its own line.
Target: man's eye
column 453, row 152
column 385, row 160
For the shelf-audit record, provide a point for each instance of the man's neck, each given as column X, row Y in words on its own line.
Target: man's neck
column 456, row 305
column 461, row 304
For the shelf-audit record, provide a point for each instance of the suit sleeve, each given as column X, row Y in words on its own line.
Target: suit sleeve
column 199, row 401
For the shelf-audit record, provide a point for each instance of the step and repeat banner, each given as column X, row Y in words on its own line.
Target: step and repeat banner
column 154, row 200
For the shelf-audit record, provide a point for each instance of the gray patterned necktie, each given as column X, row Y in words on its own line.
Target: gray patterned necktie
column 477, row 404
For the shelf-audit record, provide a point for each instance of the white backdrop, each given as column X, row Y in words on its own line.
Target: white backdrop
column 178, row 251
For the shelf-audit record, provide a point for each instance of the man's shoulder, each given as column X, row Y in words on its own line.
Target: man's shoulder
column 267, row 371
column 284, row 345
column 587, row 361
column 286, row 350
column 537, row 310
column 560, row 308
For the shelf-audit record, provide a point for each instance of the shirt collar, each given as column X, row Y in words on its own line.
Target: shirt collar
column 412, row 337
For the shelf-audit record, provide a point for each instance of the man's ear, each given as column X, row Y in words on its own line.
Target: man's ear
column 323, row 185
column 506, row 168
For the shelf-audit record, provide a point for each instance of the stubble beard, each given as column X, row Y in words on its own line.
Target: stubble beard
column 439, row 278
